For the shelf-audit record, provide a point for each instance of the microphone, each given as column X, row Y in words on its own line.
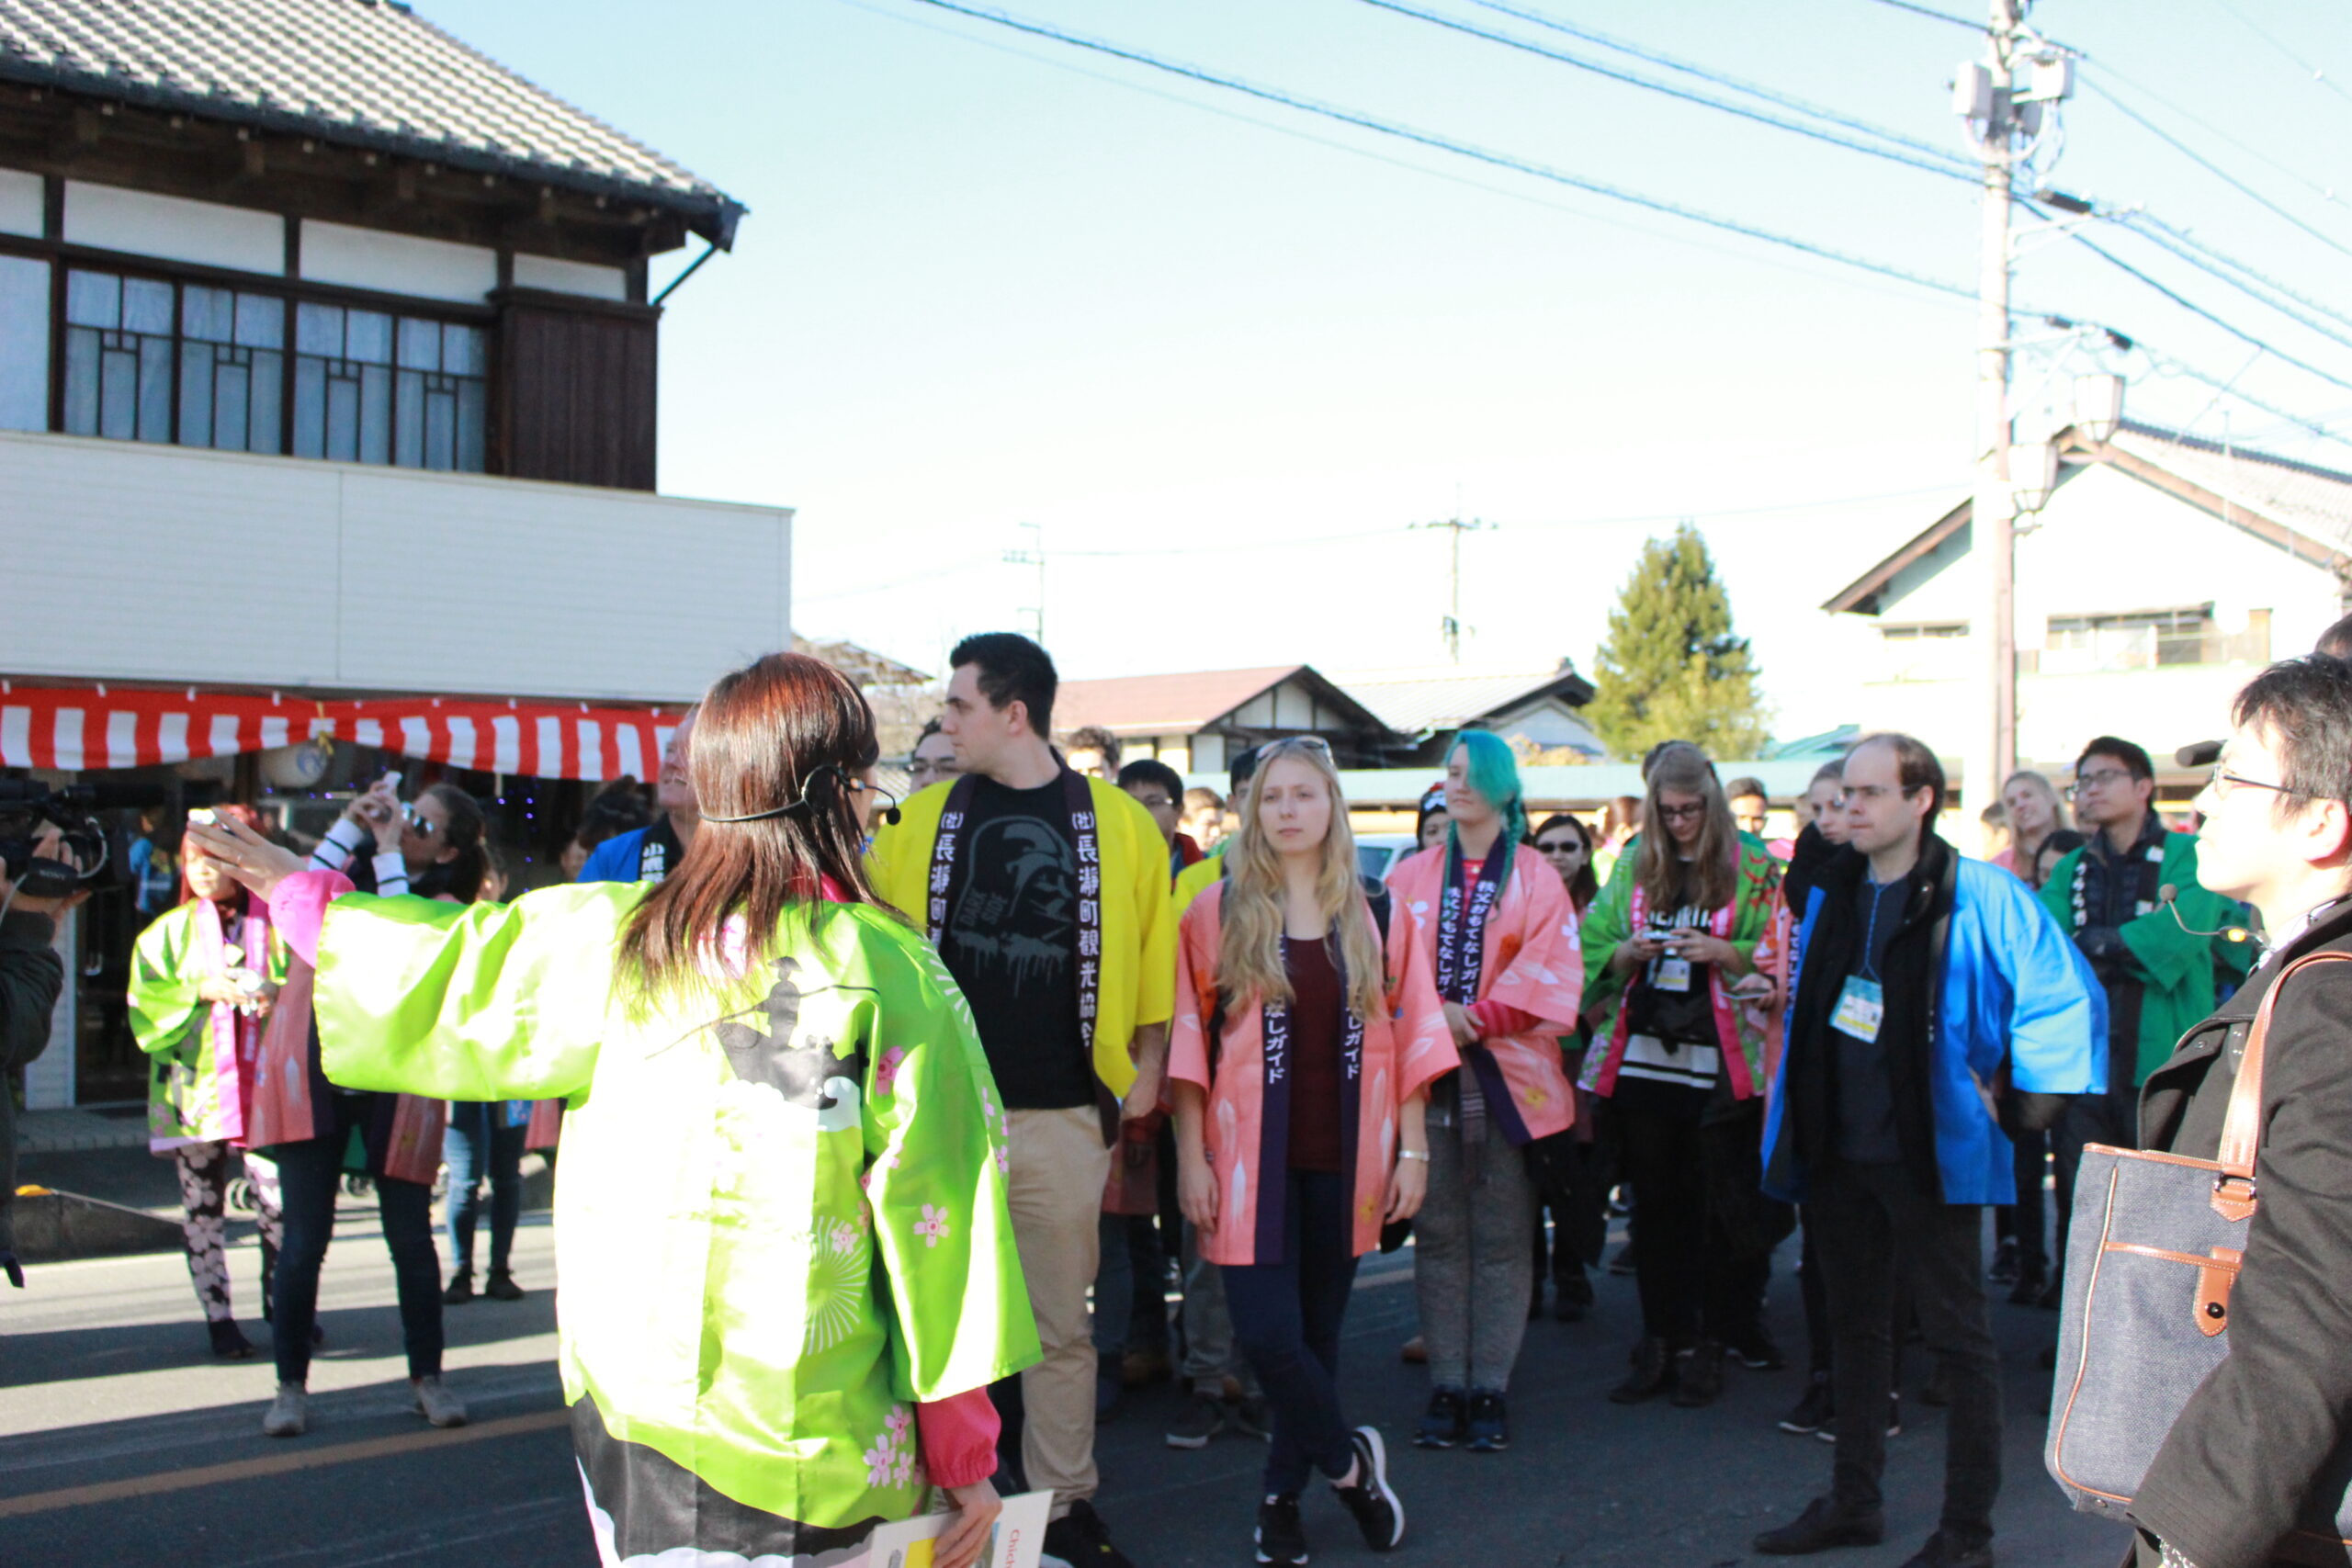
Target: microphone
column 2168, row 898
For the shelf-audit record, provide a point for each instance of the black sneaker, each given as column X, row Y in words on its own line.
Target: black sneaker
column 501, row 1287
column 1282, row 1537
column 2005, row 1264
column 1375, row 1507
column 1823, row 1523
column 1815, row 1412
column 1572, row 1298
column 1757, row 1349
column 1944, row 1550
column 2033, row 1277
column 1700, row 1379
column 229, row 1341
column 1080, row 1539
column 1828, row 1434
column 1489, row 1422
column 460, row 1291
column 1202, row 1418
column 1652, row 1374
column 1446, row 1422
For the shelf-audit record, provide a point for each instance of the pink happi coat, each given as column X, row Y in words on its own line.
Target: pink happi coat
column 1533, row 968
column 290, row 1089
column 1405, row 1051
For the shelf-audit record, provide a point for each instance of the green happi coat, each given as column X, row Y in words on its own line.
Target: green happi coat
column 189, row 1099
column 2175, row 968
column 781, row 1217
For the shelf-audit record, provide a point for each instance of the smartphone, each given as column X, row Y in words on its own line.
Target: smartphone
column 390, row 780
column 204, row 817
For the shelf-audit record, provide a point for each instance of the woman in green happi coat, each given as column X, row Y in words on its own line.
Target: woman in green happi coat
column 785, row 1274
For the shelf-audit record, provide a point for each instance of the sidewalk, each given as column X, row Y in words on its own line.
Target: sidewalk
column 82, row 1129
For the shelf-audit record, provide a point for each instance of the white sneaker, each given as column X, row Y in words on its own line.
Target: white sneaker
column 437, row 1404
column 289, row 1413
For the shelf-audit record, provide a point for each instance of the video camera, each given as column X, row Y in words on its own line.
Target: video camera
column 27, row 804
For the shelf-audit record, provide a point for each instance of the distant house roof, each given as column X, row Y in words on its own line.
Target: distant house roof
column 1423, row 701
column 366, row 72
column 1188, row 703
column 2303, row 510
column 862, row 665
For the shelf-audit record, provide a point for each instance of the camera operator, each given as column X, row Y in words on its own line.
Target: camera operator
column 32, row 974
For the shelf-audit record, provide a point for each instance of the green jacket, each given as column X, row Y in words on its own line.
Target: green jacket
column 174, row 1026
column 781, row 1215
column 1609, row 921
column 2175, row 969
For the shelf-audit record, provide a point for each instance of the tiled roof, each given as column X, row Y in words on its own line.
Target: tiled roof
column 2312, row 501
column 1162, row 704
column 368, row 73
column 1417, row 702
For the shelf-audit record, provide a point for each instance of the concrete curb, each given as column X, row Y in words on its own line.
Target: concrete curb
column 56, row 1227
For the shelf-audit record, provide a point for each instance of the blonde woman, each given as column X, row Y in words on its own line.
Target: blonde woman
column 1306, row 1041
column 2031, row 802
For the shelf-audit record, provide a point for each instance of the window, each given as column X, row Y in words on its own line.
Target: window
column 371, row 387
column 2151, row 640
column 154, row 359
column 24, row 344
column 1917, row 631
column 132, row 343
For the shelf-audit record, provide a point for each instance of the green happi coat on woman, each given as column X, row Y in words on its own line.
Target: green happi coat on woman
column 780, row 1220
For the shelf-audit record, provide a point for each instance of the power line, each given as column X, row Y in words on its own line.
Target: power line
column 1722, row 79
column 1934, row 15
column 1940, row 164
column 2185, row 150
column 2107, row 67
column 2318, row 75
column 2236, row 274
column 1445, row 144
column 2199, row 311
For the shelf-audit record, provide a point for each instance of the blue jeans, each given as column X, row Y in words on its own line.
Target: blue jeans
column 1286, row 1316
column 308, row 1174
column 479, row 1142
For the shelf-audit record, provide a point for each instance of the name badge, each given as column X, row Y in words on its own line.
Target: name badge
column 1861, row 1007
column 1673, row 975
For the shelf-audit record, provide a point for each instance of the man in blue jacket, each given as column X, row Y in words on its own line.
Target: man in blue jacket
column 1924, row 984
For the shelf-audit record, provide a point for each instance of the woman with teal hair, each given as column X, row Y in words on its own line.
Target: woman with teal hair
column 1501, row 938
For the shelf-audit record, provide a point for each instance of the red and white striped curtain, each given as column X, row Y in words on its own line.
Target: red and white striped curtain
column 116, row 728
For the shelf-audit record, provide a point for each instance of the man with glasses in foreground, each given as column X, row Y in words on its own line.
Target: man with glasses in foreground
column 2254, row 1447
column 2157, row 970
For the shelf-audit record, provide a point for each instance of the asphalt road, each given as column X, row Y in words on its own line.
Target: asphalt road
column 122, row 1441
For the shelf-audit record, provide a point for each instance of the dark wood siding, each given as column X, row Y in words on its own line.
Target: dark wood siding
column 576, row 391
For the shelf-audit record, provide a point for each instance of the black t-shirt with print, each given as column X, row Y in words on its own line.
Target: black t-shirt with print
column 1010, row 940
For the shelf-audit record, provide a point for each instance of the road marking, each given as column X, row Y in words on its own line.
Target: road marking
column 278, row 1464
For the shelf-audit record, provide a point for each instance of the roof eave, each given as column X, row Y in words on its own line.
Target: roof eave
column 708, row 213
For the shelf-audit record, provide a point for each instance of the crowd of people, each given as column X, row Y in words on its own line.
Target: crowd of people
column 954, row 1090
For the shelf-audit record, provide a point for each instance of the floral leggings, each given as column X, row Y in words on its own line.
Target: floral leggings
column 204, row 1193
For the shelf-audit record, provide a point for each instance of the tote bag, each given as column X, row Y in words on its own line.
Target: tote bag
column 2154, row 1251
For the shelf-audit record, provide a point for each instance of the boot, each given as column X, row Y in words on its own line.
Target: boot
column 1652, row 1374
column 1700, row 1379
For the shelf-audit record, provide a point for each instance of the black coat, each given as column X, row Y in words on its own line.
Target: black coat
column 2256, row 1436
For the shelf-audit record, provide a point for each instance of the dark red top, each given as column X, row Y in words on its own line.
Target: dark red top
column 1318, row 1029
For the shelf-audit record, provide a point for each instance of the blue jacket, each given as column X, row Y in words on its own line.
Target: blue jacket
column 2014, row 990
column 615, row 859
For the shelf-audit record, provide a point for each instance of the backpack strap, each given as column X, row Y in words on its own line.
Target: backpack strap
column 2233, row 1195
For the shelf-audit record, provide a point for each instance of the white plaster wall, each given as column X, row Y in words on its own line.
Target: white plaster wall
column 175, row 229
column 397, row 264
column 375, row 578
column 571, row 278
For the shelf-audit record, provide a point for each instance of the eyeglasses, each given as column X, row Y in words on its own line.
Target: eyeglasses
column 1561, row 847
column 1311, row 742
column 2098, row 780
column 2223, row 781
column 418, row 823
column 1682, row 813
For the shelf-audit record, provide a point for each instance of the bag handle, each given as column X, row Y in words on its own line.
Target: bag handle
column 2242, row 1126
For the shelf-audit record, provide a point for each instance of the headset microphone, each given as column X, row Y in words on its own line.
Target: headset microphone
column 2168, row 897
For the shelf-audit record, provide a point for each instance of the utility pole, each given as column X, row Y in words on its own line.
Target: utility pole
column 1984, row 95
column 1033, row 555
column 1451, row 625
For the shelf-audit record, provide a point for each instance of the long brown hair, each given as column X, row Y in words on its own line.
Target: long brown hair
column 1249, row 968
column 788, row 728
column 1710, row 879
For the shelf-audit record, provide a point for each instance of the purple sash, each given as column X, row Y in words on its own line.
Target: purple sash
column 1274, row 1118
column 1461, row 963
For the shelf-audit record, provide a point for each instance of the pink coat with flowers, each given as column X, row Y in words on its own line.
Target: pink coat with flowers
column 1405, row 1051
column 1533, row 968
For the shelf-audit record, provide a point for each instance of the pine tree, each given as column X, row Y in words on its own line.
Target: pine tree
column 1670, row 669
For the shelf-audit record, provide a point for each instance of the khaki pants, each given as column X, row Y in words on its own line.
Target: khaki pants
column 1059, row 1167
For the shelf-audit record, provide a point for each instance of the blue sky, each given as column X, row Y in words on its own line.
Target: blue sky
column 1237, row 352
